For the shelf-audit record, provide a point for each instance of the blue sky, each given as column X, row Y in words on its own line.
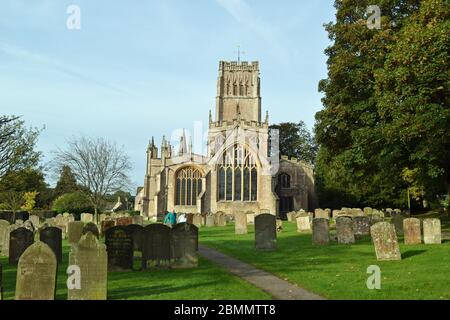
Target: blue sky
column 148, row 67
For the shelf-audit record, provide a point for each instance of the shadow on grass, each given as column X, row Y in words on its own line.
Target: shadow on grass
column 412, row 253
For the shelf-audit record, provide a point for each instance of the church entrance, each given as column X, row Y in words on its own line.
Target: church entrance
column 286, row 205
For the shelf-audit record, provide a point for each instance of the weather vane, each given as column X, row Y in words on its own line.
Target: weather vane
column 239, row 53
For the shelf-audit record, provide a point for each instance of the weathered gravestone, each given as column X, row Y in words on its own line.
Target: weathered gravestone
column 4, row 234
column 119, row 245
column 397, row 219
column 19, row 240
column 184, row 246
column 368, row 211
column 29, row 225
column 87, row 217
column 91, row 257
column 411, row 230
column 250, row 218
column 303, row 224
column 156, row 246
column 279, row 225
column 36, row 221
column 361, row 226
column 19, row 222
column 432, row 231
column 139, row 220
column 344, row 230
column 75, row 231
column 240, row 223
column 91, row 227
column 220, row 219
column 385, row 241
column 266, row 232
column 197, row 220
column 138, row 235
column 321, row 231
column 210, row 221
column 36, row 273
column 52, row 237
column 291, row 216
column 107, row 224
column 124, row 221
column 5, row 244
column 320, row 213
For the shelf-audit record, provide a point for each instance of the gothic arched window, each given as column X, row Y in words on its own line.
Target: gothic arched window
column 237, row 175
column 284, row 180
column 188, row 186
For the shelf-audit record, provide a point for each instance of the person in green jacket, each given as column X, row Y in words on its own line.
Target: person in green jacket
column 170, row 219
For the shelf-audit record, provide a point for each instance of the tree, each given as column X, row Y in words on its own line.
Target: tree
column 17, row 144
column 29, row 199
column 67, row 182
column 100, row 167
column 413, row 90
column 296, row 141
column 76, row 202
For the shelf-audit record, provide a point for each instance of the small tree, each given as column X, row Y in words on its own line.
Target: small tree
column 67, row 182
column 29, row 199
column 100, row 167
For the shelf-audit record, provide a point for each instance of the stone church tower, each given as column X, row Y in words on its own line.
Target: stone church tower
column 239, row 173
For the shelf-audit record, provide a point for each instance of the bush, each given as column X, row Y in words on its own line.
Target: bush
column 75, row 203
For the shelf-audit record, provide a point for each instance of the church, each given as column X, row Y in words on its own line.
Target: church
column 242, row 170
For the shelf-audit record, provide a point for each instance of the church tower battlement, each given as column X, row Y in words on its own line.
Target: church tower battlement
column 238, row 91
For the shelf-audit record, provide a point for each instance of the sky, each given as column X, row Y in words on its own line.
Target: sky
column 142, row 68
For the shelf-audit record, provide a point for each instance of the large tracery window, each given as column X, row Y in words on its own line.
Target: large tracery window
column 188, row 186
column 237, row 176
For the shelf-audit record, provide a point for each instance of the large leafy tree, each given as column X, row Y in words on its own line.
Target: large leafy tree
column 353, row 165
column 413, row 90
column 296, row 141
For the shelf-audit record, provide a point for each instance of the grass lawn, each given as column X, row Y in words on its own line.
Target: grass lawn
column 207, row 282
column 340, row 271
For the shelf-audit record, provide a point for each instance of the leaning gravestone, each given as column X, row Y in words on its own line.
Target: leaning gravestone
column 91, row 257
column 303, row 224
column 240, row 223
column 36, row 273
column 385, row 241
column 432, row 231
column 266, row 232
column 361, row 226
column 19, row 240
column 156, row 249
column 75, row 230
column 90, row 227
column 52, row 237
column 397, row 219
column 411, row 230
column 138, row 234
column 321, row 231
column 119, row 245
column 344, row 230
column 184, row 242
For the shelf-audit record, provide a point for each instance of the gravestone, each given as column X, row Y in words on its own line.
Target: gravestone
column 303, row 224
column 184, row 246
column 291, row 216
column 52, row 237
column 4, row 234
column 197, row 220
column 279, row 225
column 36, row 221
column 124, row 221
column 385, row 241
column 250, row 218
column 90, row 227
column 432, row 231
column 344, row 230
column 36, row 273
column 320, row 213
column 19, row 222
column 156, row 246
column 87, row 217
column 91, row 257
column 190, row 218
column 138, row 234
column 119, row 246
column 220, row 219
column 5, row 244
column 29, row 225
column 266, row 232
column 139, row 220
column 411, row 230
column 368, row 211
column 397, row 219
column 240, row 223
column 321, row 231
column 210, row 219
column 107, row 224
column 361, row 226
column 19, row 240
column 74, row 231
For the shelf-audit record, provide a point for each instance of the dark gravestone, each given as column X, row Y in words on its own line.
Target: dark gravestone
column 22, row 215
column 184, row 242
column 19, row 240
column 8, row 216
column 52, row 236
column 265, row 232
column 156, row 246
column 119, row 246
column 138, row 234
column 90, row 227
